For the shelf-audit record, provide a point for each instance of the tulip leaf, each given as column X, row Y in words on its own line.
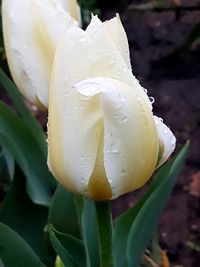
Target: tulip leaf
column 70, row 249
column 30, row 120
column 14, row 251
column 146, row 221
column 17, row 138
column 124, row 221
column 90, row 233
column 62, row 212
column 26, row 218
column 10, row 162
column 123, row 233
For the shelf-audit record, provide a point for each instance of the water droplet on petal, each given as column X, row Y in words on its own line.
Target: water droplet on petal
column 166, row 131
column 114, row 146
column 172, row 140
column 151, row 99
column 124, row 119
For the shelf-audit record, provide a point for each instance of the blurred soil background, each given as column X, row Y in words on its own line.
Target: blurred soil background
column 164, row 39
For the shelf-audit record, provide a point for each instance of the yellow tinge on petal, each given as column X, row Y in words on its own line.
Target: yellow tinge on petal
column 44, row 45
column 130, row 140
column 98, row 186
column 102, row 135
column 32, row 29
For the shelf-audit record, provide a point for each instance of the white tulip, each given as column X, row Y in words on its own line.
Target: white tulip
column 32, row 29
column 102, row 136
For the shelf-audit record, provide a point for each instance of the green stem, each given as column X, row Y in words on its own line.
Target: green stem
column 105, row 235
column 79, row 202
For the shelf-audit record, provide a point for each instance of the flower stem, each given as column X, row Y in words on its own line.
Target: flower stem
column 105, row 235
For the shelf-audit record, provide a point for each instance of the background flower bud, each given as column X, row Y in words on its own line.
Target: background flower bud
column 102, row 136
column 31, row 30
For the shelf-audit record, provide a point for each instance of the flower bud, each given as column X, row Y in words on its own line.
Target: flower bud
column 102, row 135
column 32, row 29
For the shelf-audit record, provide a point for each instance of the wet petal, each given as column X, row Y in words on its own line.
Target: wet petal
column 119, row 38
column 130, row 138
column 167, row 141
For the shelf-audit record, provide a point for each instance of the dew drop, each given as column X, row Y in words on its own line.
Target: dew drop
column 124, row 70
column 124, row 119
column 165, row 131
column 172, row 140
column 114, row 147
column 145, row 90
column 151, row 99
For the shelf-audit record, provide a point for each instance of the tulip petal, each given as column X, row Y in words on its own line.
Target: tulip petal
column 74, row 120
column 167, row 141
column 72, row 7
column 74, row 125
column 31, row 32
column 112, row 58
column 119, row 38
column 130, row 138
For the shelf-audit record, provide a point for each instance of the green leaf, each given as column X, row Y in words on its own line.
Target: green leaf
column 90, row 233
column 70, row 249
column 147, row 218
column 27, row 218
column 31, row 121
column 2, row 167
column 124, row 222
column 14, row 251
column 10, row 162
column 62, row 212
column 17, row 138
